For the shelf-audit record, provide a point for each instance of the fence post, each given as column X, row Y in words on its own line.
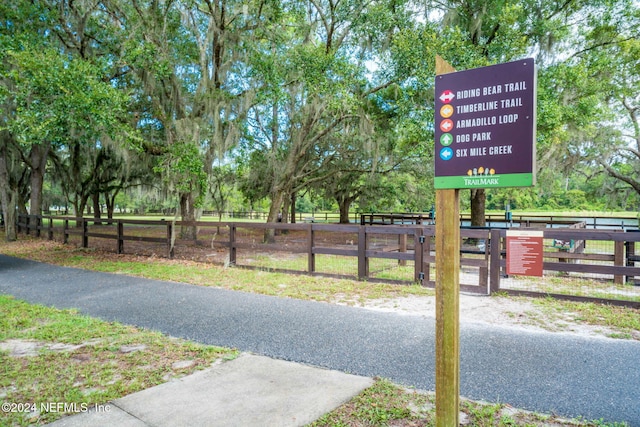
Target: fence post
column 38, row 225
column 85, row 231
column 629, row 249
column 618, row 256
column 418, row 253
column 495, row 250
column 311, row 256
column 483, row 272
column 169, row 239
column 121, row 237
column 65, row 232
column 363, row 262
column 426, row 253
column 402, row 243
column 232, row 244
column 28, row 224
column 50, row 231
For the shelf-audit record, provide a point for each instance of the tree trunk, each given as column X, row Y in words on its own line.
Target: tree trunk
column 7, row 196
column 478, row 201
column 293, row 208
column 79, row 207
column 9, row 215
column 97, row 211
column 274, row 210
column 38, row 158
column 188, row 230
column 344, row 206
column 21, row 203
column 111, row 202
column 286, row 205
column 7, row 200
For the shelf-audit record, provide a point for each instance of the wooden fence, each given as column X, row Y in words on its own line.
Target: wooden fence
column 610, row 223
column 388, row 253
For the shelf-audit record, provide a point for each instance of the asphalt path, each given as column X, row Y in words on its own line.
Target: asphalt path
column 574, row 376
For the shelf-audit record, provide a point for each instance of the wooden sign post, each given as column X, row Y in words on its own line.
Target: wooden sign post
column 484, row 138
column 447, row 298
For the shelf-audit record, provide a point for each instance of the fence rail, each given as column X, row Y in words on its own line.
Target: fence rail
column 507, row 218
column 578, row 263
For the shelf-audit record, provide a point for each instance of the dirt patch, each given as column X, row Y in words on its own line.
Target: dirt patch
column 30, row 348
column 508, row 312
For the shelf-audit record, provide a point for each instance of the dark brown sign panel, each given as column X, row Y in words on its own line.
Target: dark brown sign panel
column 524, row 253
column 485, row 127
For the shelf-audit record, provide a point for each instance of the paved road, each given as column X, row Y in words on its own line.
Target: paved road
column 595, row 378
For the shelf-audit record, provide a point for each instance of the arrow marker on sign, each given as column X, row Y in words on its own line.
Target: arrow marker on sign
column 446, row 139
column 446, row 111
column 447, row 96
column 446, row 153
column 446, row 125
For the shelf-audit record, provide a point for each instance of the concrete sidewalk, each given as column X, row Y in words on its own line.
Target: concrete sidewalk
column 248, row 391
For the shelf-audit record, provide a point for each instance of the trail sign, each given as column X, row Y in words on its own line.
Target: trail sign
column 447, row 288
column 485, row 127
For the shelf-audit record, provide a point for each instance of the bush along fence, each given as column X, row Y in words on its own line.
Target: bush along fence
column 579, row 263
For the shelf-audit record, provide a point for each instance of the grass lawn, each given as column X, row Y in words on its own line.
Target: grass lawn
column 50, row 356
